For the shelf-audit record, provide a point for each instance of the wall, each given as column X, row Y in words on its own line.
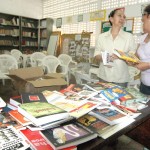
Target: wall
column 26, row 8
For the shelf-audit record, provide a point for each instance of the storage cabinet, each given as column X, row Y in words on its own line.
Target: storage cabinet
column 9, row 32
column 45, row 30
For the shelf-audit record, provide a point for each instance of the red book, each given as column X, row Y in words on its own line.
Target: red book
column 19, row 117
column 37, row 141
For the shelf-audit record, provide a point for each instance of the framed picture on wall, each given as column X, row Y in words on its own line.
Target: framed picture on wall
column 58, row 22
column 80, row 18
column 98, row 15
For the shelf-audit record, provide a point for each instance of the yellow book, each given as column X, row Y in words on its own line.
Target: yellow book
column 130, row 57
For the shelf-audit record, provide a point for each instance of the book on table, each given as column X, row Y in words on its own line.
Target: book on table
column 29, row 97
column 19, row 117
column 130, row 56
column 94, row 123
column 41, row 113
column 68, row 135
column 109, row 114
column 121, row 93
column 37, row 142
column 52, row 95
column 15, row 101
column 11, row 139
column 7, row 120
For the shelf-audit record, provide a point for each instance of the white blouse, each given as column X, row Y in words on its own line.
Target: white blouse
column 124, row 41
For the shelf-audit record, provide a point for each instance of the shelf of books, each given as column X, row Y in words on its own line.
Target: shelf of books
column 29, row 34
column 9, row 32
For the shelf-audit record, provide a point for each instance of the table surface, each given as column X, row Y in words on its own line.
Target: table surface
column 98, row 143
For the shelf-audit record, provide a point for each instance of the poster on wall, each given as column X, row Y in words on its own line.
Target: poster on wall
column 98, row 15
column 58, row 22
column 80, row 18
column 77, row 46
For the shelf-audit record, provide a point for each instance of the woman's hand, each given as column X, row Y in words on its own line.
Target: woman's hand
column 143, row 66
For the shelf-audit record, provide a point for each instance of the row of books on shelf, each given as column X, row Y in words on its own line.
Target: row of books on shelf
column 13, row 21
column 73, row 115
column 12, row 32
column 9, row 42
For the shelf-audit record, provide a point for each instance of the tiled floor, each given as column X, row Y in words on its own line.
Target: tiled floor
column 124, row 142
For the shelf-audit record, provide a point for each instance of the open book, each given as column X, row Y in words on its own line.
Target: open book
column 126, row 56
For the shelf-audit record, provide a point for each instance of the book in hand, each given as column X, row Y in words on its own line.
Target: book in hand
column 29, row 97
column 11, row 139
column 129, row 57
column 93, row 123
column 68, row 135
column 109, row 114
column 19, row 117
column 41, row 113
column 106, row 58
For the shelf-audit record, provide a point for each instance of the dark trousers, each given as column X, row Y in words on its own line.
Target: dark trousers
column 144, row 89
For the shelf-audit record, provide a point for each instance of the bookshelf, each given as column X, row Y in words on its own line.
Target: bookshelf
column 9, row 32
column 29, row 35
column 25, row 34
column 45, row 30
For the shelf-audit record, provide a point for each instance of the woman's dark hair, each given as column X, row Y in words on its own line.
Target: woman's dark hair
column 112, row 13
column 147, row 9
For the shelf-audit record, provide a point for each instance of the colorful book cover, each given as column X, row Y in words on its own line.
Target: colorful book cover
column 93, row 123
column 67, row 135
column 7, row 120
column 83, row 109
column 122, row 94
column 109, row 114
column 36, row 140
column 29, row 97
column 126, row 56
column 19, row 117
column 41, row 113
column 109, row 96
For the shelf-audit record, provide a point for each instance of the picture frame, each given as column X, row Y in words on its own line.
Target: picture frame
column 80, row 18
column 58, row 22
column 98, row 15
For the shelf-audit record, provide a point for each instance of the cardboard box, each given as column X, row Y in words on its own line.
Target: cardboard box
column 33, row 80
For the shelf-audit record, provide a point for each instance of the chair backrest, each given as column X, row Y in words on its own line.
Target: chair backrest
column 35, row 57
column 51, row 63
column 16, row 53
column 65, row 59
column 7, row 62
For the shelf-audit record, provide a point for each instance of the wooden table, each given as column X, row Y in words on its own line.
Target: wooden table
column 98, row 143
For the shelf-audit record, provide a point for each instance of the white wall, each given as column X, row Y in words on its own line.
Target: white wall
column 26, row 8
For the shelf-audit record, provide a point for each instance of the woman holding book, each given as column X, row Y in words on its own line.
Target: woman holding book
column 143, row 52
column 118, row 39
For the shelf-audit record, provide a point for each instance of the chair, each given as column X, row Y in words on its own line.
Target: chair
column 50, row 64
column 36, row 59
column 18, row 55
column 66, row 60
column 7, row 62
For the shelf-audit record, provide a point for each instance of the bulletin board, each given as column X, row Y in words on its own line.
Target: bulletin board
column 128, row 27
column 76, row 45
